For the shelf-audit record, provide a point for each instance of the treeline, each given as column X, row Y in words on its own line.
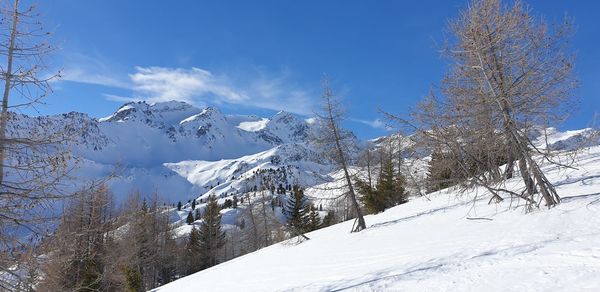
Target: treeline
column 99, row 246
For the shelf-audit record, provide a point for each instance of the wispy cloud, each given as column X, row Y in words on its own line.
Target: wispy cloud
column 85, row 69
column 189, row 85
column 376, row 124
column 260, row 89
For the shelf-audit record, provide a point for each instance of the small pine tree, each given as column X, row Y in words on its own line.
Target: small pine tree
column 179, row 206
column 295, row 208
column 212, row 237
column 193, row 204
column 234, row 203
column 440, row 174
column 329, row 219
column 227, row 204
column 389, row 190
column 190, row 218
column 193, row 253
column 197, row 215
column 370, row 198
column 312, row 219
column 133, row 280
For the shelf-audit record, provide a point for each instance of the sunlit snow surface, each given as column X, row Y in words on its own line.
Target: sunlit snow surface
column 430, row 244
column 253, row 126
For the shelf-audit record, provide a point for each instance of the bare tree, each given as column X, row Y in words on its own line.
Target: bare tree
column 509, row 74
column 33, row 162
column 78, row 252
column 336, row 143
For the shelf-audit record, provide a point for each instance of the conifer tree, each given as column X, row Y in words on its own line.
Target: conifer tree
column 294, row 208
column 212, row 237
column 133, row 280
column 193, row 204
column 329, row 219
column 193, row 260
column 190, row 218
column 373, row 202
column 179, row 206
column 312, row 219
column 234, row 203
column 389, row 190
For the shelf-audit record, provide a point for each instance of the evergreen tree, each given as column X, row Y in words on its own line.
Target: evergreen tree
column 193, row 204
column 329, row 219
column 391, row 184
column 312, row 219
column 193, row 260
column 234, row 203
column 373, row 202
column 389, row 191
column 190, row 218
column 227, row 204
column 133, row 280
column 295, row 208
column 441, row 171
column 179, row 206
column 197, row 215
column 212, row 237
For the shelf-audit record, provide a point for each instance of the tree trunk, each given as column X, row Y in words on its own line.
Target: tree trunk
column 361, row 220
column 7, row 86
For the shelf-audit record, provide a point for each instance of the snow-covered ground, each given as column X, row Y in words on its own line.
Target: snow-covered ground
column 446, row 242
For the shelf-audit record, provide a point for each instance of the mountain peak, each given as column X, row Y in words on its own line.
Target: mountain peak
column 284, row 117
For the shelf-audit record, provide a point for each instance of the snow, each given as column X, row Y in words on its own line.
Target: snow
column 230, row 175
column 138, row 139
column 311, row 121
column 253, row 126
column 445, row 242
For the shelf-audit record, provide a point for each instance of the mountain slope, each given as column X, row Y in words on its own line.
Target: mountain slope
column 448, row 242
column 139, row 139
column 302, row 166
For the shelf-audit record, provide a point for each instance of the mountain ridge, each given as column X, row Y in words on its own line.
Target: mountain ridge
column 142, row 137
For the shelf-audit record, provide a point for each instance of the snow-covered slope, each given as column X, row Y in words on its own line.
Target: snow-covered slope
column 302, row 167
column 446, row 242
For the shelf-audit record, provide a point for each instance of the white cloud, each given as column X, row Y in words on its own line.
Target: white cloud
column 164, row 84
column 376, row 124
column 198, row 86
column 84, row 69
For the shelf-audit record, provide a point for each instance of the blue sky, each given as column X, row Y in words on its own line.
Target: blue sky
column 262, row 56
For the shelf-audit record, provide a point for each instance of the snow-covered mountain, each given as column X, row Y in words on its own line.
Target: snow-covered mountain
column 185, row 152
column 148, row 145
column 300, row 165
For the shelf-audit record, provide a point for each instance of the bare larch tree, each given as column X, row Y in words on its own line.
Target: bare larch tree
column 335, row 143
column 32, row 161
column 509, row 74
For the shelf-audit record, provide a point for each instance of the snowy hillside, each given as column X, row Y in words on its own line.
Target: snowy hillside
column 303, row 167
column 446, row 242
